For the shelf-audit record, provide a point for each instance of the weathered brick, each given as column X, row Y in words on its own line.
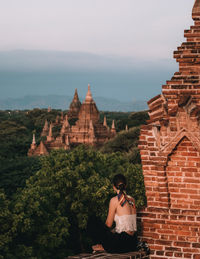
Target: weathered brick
column 173, row 184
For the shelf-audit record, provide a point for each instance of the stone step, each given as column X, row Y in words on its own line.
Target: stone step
column 130, row 255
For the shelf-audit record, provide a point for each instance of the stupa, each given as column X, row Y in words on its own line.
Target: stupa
column 87, row 129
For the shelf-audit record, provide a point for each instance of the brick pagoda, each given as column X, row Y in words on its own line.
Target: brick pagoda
column 170, row 153
column 87, row 129
column 74, row 107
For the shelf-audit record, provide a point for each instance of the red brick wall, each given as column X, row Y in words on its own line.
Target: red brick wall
column 173, row 230
column 183, row 173
column 170, row 154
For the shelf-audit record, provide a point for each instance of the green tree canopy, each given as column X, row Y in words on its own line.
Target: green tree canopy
column 51, row 212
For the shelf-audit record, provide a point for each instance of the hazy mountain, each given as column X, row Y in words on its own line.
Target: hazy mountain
column 63, row 102
column 45, row 73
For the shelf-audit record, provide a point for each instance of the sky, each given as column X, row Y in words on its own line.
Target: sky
column 136, row 34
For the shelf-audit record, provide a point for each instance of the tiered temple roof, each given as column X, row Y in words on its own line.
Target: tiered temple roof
column 87, row 129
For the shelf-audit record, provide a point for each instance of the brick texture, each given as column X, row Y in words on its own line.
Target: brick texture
column 170, row 153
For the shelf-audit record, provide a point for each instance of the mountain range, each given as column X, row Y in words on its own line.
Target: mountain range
column 46, row 73
column 63, row 102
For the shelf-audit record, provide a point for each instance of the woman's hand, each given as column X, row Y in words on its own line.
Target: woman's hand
column 98, row 247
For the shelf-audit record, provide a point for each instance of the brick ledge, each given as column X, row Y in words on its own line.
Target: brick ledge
column 130, row 255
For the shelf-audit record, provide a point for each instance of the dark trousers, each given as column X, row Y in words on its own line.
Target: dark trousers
column 111, row 242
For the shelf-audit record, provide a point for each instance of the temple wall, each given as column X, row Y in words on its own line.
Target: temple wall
column 170, row 153
column 171, row 222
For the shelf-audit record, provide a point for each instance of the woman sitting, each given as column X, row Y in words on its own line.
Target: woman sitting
column 123, row 237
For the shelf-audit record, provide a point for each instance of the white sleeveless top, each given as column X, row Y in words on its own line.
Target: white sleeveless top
column 125, row 223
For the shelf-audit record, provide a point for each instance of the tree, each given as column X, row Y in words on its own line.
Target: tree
column 5, row 223
column 51, row 212
column 125, row 142
column 15, row 171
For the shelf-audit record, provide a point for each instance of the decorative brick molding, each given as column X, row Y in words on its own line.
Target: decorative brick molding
column 170, row 153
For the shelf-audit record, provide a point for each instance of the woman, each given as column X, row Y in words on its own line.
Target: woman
column 122, row 210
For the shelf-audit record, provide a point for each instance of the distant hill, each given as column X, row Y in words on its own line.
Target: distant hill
column 42, row 73
column 63, row 102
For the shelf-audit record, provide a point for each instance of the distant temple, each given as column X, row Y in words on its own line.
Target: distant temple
column 87, row 129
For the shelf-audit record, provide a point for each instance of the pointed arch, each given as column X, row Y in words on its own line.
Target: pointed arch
column 178, row 137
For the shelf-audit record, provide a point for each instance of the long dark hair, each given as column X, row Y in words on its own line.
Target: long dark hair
column 119, row 182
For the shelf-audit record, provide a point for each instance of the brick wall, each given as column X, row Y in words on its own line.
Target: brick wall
column 170, row 153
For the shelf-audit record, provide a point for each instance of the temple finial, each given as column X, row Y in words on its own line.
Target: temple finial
column 113, row 124
column 76, row 99
column 196, row 11
column 33, row 141
column 33, row 145
column 88, row 97
column 113, row 130
column 105, row 122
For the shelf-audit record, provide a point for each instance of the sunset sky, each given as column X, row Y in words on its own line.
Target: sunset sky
column 127, row 33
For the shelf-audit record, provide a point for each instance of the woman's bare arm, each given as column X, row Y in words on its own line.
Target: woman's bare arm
column 111, row 212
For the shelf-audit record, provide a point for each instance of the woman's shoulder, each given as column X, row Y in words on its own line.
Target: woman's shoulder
column 114, row 200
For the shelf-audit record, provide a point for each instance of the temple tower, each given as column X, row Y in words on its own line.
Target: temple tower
column 88, row 110
column 105, row 121
column 50, row 135
column 33, row 146
column 45, row 129
column 87, row 129
column 74, row 106
column 113, row 130
column 42, row 149
column 170, row 153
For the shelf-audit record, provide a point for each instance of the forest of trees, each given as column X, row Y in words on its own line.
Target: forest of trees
column 45, row 201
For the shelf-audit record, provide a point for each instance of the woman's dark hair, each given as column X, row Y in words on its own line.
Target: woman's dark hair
column 119, row 182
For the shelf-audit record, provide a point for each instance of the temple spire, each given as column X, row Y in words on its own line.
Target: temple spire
column 113, row 130
column 76, row 99
column 88, row 98
column 45, row 129
column 105, row 121
column 50, row 135
column 33, row 145
column 50, row 130
column 196, row 11
column 42, row 149
column 113, row 124
column 74, row 107
column 33, row 142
